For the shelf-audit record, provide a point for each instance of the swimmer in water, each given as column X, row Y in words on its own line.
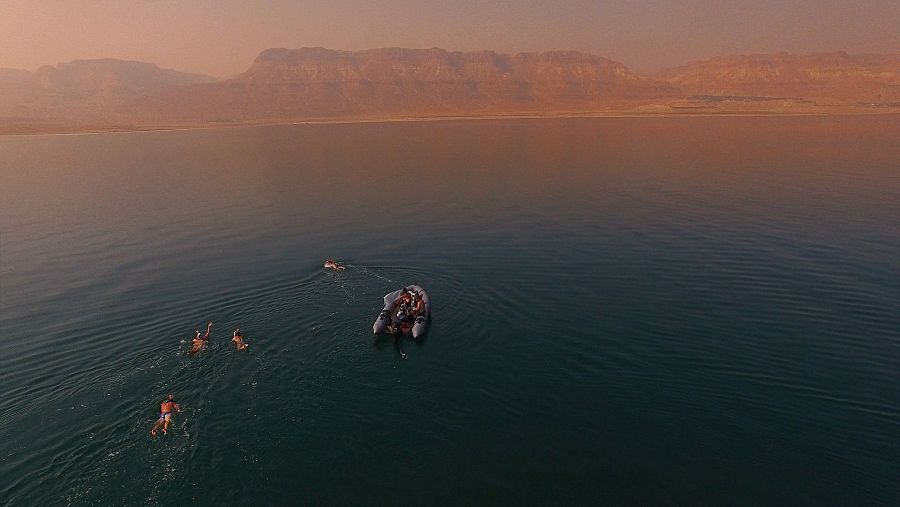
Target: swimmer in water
column 166, row 409
column 199, row 342
column 332, row 264
column 238, row 340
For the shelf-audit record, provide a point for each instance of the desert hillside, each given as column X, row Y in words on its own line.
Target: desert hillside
column 84, row 90
column 284, row 85
column 827, row 78
column 316, row 82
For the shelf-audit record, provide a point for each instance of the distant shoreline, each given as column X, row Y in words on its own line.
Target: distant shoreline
column 80, row 131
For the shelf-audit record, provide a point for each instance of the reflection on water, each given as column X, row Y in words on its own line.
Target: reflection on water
column 626, row 311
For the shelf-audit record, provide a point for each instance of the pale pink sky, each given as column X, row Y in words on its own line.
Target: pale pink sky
column 221, row 37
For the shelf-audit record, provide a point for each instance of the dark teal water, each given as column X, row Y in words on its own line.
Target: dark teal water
column 626, row 312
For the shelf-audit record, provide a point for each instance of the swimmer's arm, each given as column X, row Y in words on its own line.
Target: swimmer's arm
column 208, row 327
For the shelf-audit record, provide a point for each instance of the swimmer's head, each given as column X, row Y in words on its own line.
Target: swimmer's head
column 170, row 397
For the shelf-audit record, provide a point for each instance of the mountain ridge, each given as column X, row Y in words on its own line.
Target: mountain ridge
column 315, row 83
column 836, row 77
column 84, row 89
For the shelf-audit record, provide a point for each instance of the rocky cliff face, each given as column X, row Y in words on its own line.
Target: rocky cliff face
column 316, row 82
column 828, row 78
column 311, row 83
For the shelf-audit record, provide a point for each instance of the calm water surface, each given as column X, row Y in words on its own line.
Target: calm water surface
column 626, row 312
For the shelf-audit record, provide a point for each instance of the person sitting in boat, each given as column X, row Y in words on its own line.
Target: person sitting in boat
column 419, row 307
column 405, row 318
column 404, row 307
column 332, row 264
column 404, row 312
column 403, row 300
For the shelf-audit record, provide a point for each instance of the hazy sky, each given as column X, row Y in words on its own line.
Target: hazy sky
column 221, row 37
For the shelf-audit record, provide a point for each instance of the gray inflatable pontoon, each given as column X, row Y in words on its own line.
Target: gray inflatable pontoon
column 394, row 319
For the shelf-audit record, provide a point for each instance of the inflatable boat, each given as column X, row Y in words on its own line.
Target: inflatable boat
column 406, row 311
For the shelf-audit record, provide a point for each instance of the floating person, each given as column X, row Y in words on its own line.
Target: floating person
column 166, row 409
column 238, row 339
column 199, row 342
column 332, row 264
